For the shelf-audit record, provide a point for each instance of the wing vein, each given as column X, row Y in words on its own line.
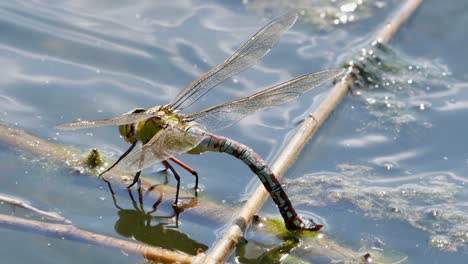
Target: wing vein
column 244, row 57
column 224, row 115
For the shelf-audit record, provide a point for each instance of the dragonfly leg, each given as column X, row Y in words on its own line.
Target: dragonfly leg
column 176, row 175
column 137, row 175
column 114, row 200
column 120, row 158
column 156, row 204
column 134, row 203
column 135, row 179
column 187, row 168
column 140, row 199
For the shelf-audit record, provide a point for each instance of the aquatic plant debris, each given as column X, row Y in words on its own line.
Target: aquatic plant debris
column 324, row 13
column 93, row 160
column 394, row 86
column 303, row 247
column 432, row 204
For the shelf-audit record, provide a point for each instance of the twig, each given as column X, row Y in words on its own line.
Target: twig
column 226, row 244
column 73, row 233
column 20, row 203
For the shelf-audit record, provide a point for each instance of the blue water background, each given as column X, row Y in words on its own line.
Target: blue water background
column 63, row 60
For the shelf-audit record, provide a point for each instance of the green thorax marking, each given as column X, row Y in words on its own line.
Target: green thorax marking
column 146, row 129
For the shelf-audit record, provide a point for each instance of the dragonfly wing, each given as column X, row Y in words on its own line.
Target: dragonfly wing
column 224, row 115
column 244, row 57
column 119, row 120
column 166, row 143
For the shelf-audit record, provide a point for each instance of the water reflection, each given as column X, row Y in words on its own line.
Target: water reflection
column 272, row 244
column 152, row 229
column 257, row 252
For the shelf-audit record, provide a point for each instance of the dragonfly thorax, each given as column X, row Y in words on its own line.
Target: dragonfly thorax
column 145, row 130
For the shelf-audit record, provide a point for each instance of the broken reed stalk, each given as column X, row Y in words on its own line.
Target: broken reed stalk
column 289, row 154
column 71, row 232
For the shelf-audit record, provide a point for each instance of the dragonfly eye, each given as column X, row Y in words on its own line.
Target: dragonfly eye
column 127, row 132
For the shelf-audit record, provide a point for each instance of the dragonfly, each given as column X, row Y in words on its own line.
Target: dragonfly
column 165, row 131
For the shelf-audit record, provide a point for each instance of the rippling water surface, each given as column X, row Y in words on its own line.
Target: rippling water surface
column 386, row 173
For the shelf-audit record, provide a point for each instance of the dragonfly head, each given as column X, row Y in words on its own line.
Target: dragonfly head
column 127, row 131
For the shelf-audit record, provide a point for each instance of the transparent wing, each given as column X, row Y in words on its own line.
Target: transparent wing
column 165, row 144
column 224, row 115
column 247, row 55
column 119, row 120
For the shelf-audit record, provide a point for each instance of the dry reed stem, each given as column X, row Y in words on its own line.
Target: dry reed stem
column 71, row 232
column 289, row 154
column 20, row 203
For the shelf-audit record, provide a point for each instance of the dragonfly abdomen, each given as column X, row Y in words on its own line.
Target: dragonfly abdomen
column 261, row 169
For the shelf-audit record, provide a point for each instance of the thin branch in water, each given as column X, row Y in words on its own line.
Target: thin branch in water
column 23, row 204
column 72, row 232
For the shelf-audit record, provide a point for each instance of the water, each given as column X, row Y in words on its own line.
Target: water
column 386, row 173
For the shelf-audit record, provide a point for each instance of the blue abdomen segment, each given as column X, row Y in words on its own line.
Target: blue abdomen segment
column 261, row 169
